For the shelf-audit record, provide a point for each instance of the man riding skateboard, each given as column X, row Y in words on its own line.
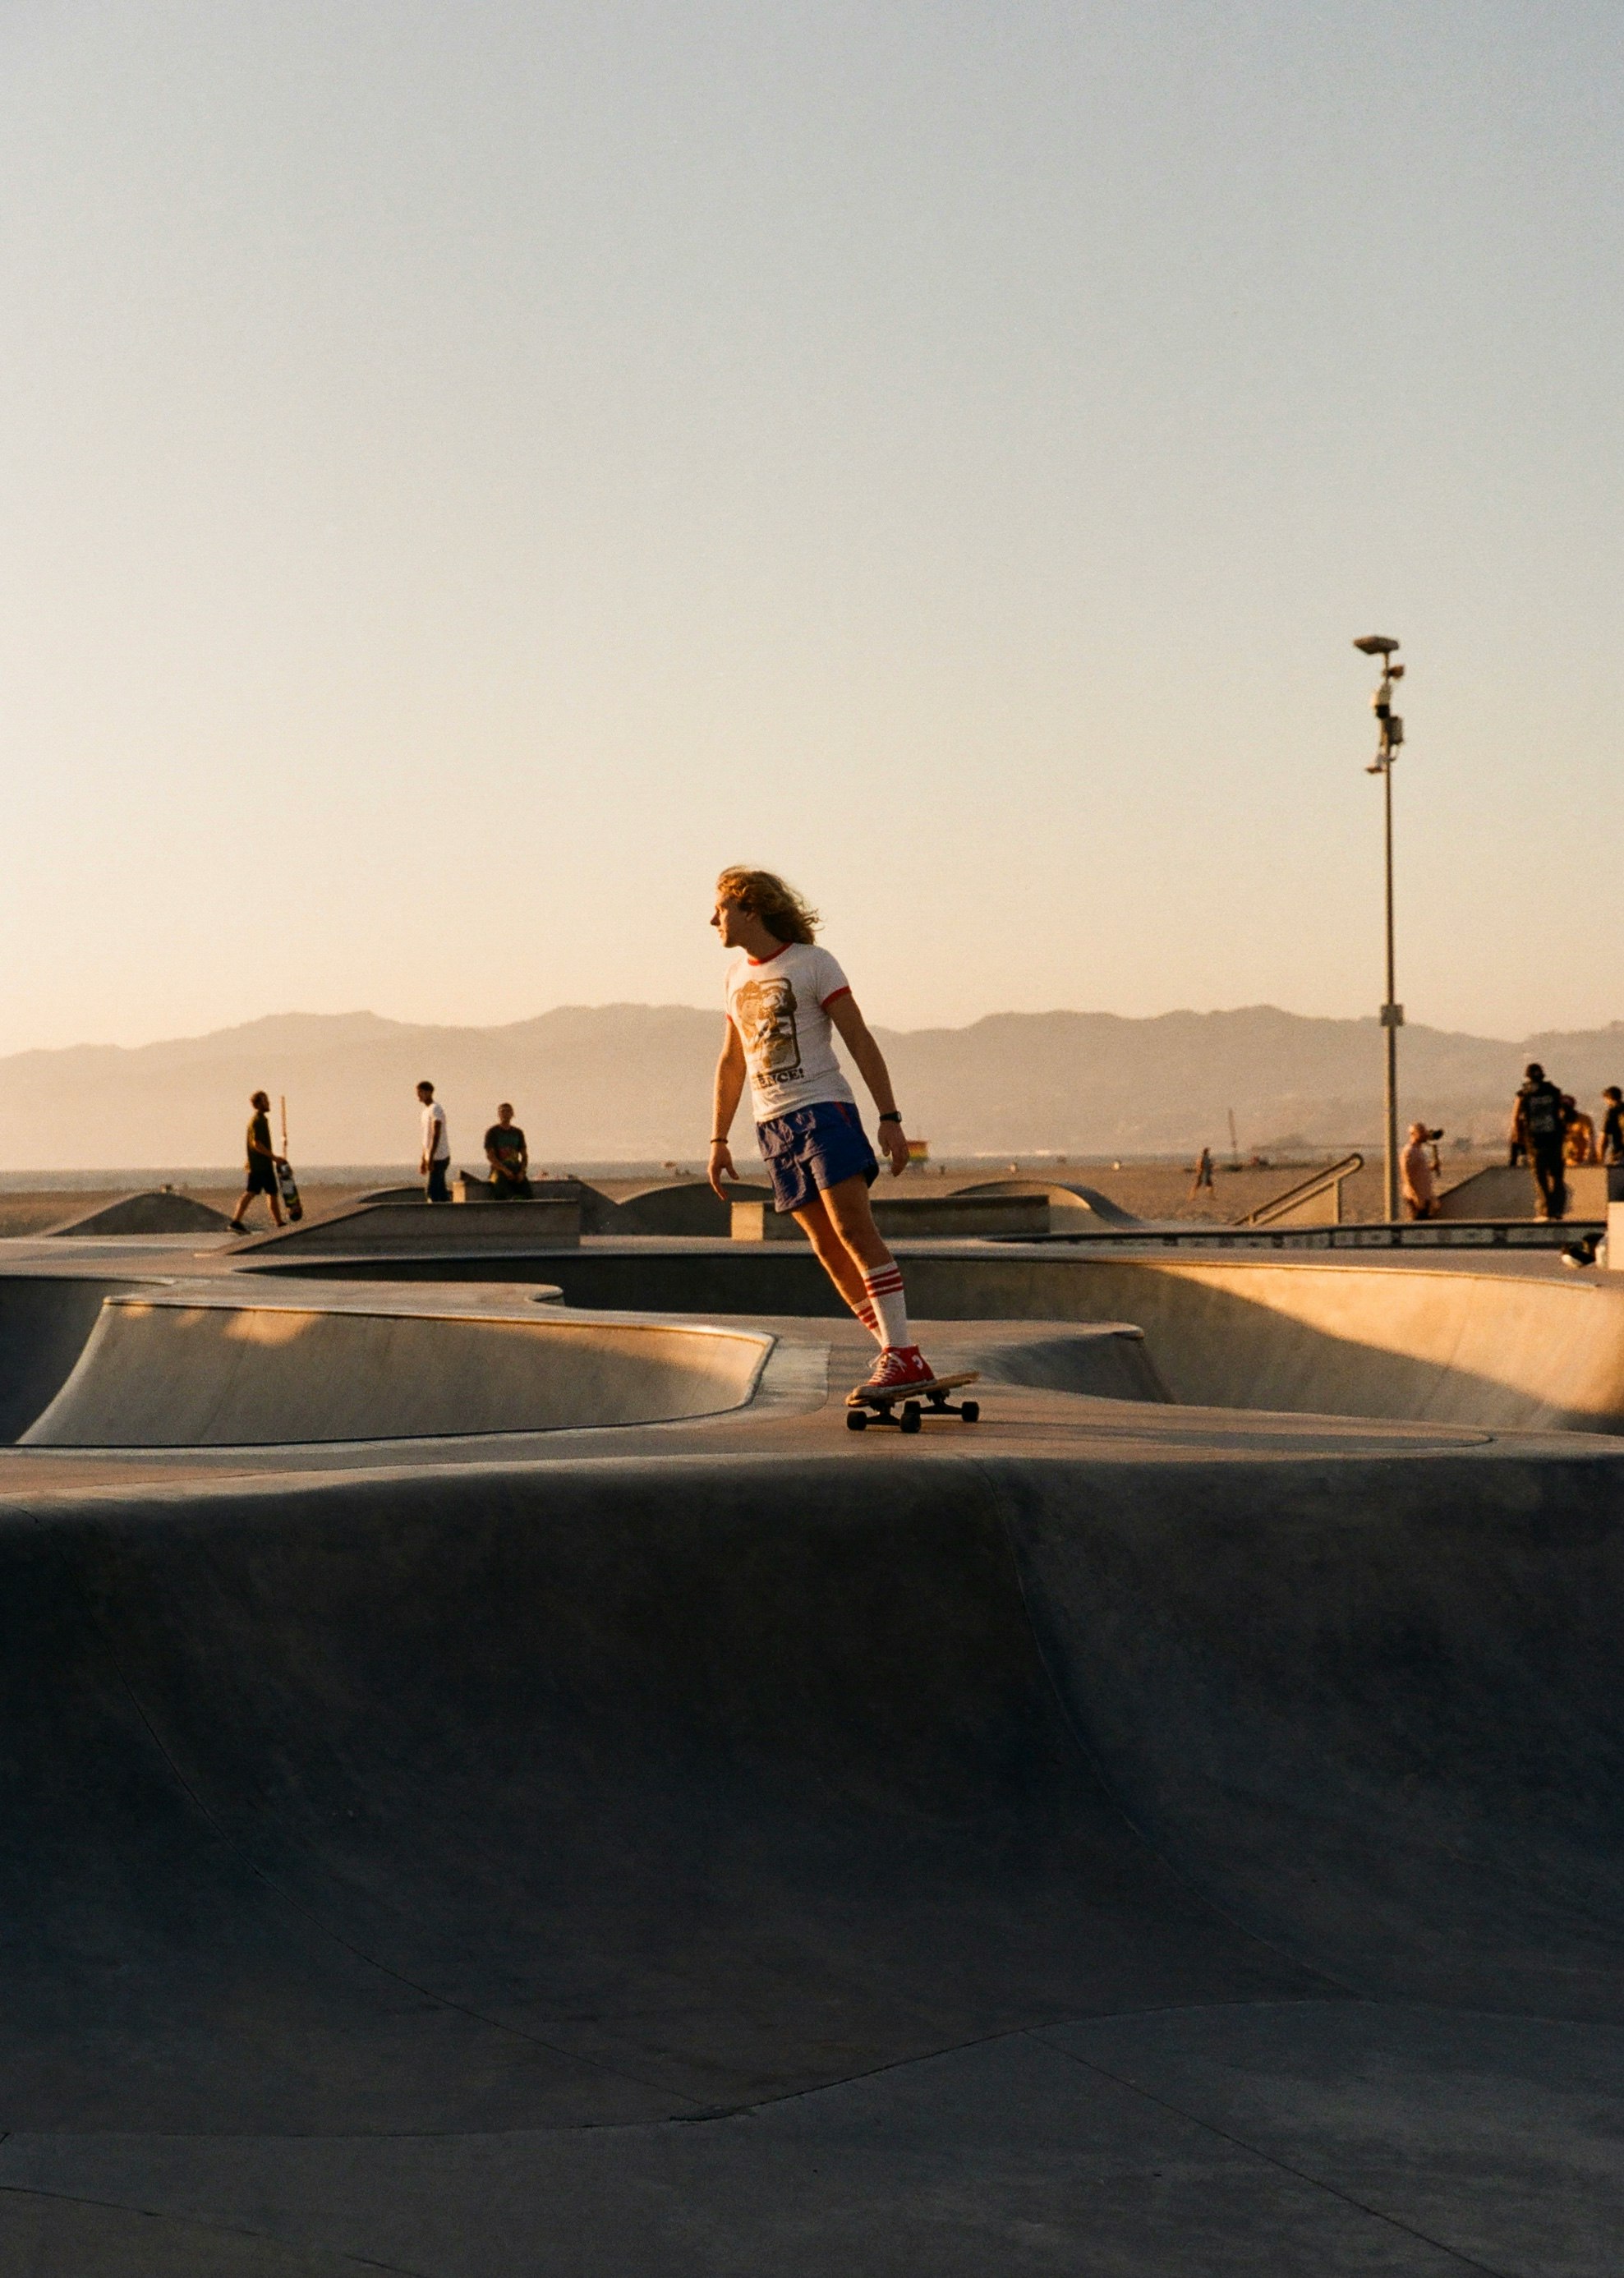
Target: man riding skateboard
column 787, row 1000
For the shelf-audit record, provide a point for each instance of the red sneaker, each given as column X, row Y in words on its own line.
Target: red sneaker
column 900, row 1368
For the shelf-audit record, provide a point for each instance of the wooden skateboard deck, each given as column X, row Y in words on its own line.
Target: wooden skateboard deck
column 916, row 1400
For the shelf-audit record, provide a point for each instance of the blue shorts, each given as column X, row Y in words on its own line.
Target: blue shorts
column 814, row 1147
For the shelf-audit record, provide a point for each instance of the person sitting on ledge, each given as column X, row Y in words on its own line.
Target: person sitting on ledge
column 786, row 999
column 509, row 1157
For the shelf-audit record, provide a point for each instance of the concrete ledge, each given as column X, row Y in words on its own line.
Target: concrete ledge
column 904, row 1218
column 413, row 1228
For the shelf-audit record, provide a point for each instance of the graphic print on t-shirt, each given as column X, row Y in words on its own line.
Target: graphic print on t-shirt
column 780, row 1012
column 765, row 1014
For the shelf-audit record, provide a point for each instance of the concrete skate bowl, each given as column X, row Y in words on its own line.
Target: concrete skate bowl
column 206, row 1369
column 1528, row 1348
column 1534, row 1350
column 44, row 1322
column 578, row 1799
column 1120, row 1840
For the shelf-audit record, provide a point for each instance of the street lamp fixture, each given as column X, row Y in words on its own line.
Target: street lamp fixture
column 1390, row 735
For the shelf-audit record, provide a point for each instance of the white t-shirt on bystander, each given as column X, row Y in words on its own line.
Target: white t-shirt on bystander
column 436, row 1138
column 779, row 1006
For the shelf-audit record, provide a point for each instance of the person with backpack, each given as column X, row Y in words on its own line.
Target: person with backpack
column 1539, row 1127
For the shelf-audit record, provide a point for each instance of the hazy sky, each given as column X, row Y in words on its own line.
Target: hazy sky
column 468, row 471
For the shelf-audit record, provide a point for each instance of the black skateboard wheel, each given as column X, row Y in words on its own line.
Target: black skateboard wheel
column 856, row 1420
column 912, row 1416
column 970, row 1410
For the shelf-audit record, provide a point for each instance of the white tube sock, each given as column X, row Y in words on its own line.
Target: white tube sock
column 884, row 1286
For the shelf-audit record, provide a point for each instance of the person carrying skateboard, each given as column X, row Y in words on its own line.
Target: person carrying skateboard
column 262, row 1158
column 787, row 1001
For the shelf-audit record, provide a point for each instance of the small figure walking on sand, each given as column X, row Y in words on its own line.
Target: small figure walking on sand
column 1202, row 1182
column 787, row 1000
column 261, row 1170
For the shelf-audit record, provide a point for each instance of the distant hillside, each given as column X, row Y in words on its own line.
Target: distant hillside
column 633, row 1082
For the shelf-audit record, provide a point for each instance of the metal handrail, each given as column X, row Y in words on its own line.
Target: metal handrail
column 1331, row 1175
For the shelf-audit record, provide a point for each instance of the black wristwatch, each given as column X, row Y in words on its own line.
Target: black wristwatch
column 892, row 1115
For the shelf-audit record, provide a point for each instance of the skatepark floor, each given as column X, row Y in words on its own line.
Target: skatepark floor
column 1119, row 1836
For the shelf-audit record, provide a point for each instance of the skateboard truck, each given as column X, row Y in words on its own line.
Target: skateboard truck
column 915, row 1401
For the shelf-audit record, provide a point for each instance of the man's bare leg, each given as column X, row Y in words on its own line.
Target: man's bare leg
column 847, row 1206
column 832, row 1252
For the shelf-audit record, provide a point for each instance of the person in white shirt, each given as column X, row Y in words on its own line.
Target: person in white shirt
column 436, row 1145
column 787, row 1001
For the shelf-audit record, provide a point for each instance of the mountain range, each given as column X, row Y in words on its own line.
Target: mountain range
column 632, row 1081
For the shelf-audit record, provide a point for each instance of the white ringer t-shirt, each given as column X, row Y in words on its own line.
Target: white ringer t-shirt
column 779, row 1007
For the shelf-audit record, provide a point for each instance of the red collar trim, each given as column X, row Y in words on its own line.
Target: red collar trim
column 777, row 953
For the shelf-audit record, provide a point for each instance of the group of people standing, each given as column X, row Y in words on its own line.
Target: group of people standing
column 506, row 1151
column 1552, row 1135
column 1550, row 1131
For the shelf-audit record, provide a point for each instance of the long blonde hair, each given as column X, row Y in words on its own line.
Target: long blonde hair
column 787, row 915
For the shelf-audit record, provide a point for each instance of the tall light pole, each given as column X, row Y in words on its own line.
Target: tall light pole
column 1390, row 735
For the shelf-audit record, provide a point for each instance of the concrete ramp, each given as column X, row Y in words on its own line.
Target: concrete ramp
column 415, row 1228
column 160, row 1211
column 193, row 1371
column 491, row 1802
column 44, row 1322
column 1071, row 1206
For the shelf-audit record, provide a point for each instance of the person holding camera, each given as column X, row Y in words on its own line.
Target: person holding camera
column 1418, row 1172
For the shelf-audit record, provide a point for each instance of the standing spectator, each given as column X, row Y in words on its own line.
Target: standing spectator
column 436, row 1145
column 1202, row 1180
column 1578, row 1141
column 1611, row 1149
column 1612, row 1125
column 509, row 1157
column 1418, row 1173
column 1539, row 1127
column 262, row 1175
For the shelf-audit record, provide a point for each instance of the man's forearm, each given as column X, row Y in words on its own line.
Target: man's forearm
column 872, row 1067
column 725, row 1098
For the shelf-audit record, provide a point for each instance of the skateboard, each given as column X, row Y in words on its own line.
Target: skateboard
column 916, row 1400
column 287, row 1183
